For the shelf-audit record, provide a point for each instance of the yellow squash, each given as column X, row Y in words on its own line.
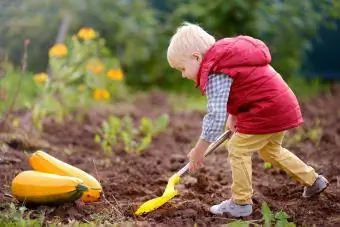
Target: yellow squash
column 44, row 188
column 43, row 162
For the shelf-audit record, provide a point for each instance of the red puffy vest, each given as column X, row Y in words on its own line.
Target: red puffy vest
column 259, row 97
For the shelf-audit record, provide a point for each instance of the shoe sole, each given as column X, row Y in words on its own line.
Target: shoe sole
column 234, row 215
column 317, row 193
column 241, row 215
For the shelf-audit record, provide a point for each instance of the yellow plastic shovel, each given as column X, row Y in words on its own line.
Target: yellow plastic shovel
column 170, row 190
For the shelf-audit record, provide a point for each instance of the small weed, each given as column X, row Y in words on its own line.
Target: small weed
column 9, row 81
column 269, row 219
column 267, row 165
column 239, row 223
column 296, row 137
column 10, row 216
column 278, row 219
column 135, row 139
column 313, row 133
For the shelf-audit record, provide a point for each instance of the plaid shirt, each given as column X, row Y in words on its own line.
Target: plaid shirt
column 217, row 92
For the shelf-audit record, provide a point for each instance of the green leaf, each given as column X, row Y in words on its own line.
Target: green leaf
column 97, row 138
column 146, row 141
column 161, row 123
column 267, row 215
column 282, row 221
column 128, row 125
column 267, row 165
column 128, row 143
column 238, row 223
column 281, row 215
column 145, row 126
column 107, row 148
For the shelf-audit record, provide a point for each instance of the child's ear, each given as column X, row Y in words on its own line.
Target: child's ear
column 197, row 56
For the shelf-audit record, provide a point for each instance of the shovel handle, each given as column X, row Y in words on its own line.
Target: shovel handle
column 211, row 147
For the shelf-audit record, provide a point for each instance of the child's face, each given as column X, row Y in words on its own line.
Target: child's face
column 190, row 65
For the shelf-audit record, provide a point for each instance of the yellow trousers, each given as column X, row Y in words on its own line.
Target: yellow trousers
column 241, row 148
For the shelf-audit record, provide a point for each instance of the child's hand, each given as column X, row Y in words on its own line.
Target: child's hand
column 231, row 121
column 196, row 156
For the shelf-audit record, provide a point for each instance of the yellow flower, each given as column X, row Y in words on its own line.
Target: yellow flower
column 95, row 66
column 58, row 50
column 40, row 78
column 115, row 74
column 86, row 33
column 101, row 94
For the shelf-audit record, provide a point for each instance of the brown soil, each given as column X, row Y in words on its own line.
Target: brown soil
column 128, row 180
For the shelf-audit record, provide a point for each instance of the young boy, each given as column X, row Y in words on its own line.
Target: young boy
column 246, row 93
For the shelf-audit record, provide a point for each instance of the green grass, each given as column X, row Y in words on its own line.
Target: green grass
column 12, row 216
column 306, row 89
column 188, row 102
column 8, row 86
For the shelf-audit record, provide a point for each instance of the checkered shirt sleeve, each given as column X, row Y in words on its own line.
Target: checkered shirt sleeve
column 217, row 92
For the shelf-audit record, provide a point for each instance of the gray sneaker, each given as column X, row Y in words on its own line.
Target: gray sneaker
column 235, row 210
column 319, row 186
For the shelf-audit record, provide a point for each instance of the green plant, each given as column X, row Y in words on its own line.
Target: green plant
column 79, row 71
column 108, row 135
column 10, row 215
column 262, row 19
column 8, row 84
column 134, row 138
column 239, row 223
column 278, row 219
column 315, row 133
column 269, row 219
column 153, row 128
column 267, row 165
column 294, row 137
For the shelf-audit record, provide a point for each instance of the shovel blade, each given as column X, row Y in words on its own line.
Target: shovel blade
column 153, row 204
column 168, row 194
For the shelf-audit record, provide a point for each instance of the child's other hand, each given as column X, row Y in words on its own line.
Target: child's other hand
column 196, row 158
column 231, row 121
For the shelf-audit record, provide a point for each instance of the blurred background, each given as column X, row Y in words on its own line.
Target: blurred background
column 302, row 35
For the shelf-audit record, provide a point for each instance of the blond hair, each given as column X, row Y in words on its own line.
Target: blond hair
column 189, row 38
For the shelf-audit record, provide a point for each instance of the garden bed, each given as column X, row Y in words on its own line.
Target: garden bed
column 129, row 179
